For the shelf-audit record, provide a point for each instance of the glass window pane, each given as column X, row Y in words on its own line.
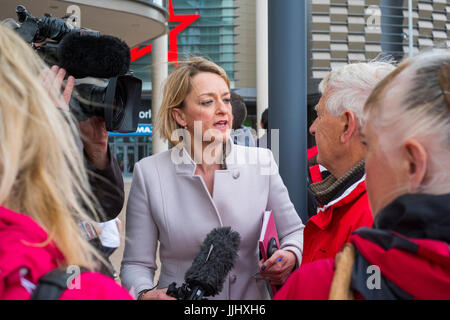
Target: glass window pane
column 131, row 159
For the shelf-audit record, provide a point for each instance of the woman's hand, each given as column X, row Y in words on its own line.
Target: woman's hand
column 156, row 294
column 93, row 130
column 278, row 267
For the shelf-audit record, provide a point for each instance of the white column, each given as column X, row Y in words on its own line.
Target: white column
column 159, row 75
column 262, row 61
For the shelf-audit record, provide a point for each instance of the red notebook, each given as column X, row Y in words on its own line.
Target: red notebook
column 268, row 240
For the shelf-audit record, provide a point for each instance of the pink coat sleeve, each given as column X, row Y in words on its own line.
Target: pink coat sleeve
column 95, row 286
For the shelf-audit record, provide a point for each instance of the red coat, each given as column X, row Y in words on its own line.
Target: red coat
column 410, row 269
column 326, row 232
column 22, row 264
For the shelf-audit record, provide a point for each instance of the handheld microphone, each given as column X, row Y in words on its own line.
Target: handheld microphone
column 210, row 267
column 103, row 56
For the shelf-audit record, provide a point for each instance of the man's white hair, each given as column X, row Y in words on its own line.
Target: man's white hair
column 350, row 85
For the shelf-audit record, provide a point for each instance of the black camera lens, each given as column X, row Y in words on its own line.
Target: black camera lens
column 116, row 103
column 88, row 101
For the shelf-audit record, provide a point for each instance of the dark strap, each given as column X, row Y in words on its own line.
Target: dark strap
column 51, row 285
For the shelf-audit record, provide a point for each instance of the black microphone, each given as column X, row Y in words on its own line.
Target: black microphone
column 102, row 56
column 210, row 267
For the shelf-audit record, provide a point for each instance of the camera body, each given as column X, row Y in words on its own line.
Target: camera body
column 55, row 40
column 33, row 29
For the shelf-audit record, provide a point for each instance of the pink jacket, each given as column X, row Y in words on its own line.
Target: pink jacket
column 23, row 262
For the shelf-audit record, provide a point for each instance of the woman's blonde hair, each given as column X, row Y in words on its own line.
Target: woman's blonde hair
column 42, row 173
column 420, row 87
column 177, row 88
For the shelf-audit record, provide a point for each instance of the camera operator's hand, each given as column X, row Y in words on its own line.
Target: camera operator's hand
column 95, row 141
column 156, row 294
column 93, row 130
column 52, row 80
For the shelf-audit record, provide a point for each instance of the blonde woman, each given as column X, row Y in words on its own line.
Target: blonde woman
column 44, row 189
column 406, row 254
column 204, row 182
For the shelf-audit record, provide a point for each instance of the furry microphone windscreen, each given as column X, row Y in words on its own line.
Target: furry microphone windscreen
column 90, row 56
column 216, row 258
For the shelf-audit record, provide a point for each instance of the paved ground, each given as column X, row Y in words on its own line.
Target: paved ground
column 116, row 257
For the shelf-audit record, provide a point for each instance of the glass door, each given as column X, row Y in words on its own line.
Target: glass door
column 126, row 157
column 131, row 158
column 129, row 150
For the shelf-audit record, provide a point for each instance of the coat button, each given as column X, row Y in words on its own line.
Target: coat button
column 233, row 278
column 236, row 174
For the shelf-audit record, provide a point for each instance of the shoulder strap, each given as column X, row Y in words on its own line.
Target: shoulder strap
column 51, row 285
column 340, row 285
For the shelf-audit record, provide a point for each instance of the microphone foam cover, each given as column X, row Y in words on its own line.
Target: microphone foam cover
column 210, row 272
column 91, row 56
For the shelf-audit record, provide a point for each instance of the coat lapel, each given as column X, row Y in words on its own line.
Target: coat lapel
column 185, row 166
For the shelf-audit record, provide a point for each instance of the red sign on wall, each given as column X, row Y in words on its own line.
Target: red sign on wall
column 184, row 21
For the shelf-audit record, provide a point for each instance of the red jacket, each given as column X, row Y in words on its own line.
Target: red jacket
column 422, row 274
column 22, row 264
column 408, row 245
column 326, row 232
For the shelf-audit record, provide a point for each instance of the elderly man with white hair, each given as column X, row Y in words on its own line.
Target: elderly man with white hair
column 342, row 199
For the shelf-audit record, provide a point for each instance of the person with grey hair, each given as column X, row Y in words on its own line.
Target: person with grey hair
column 342, row 199
column 406, row 131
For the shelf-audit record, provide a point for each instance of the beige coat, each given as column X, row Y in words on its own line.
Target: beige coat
column 167, row 202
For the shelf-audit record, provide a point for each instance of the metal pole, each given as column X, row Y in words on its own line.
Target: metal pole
column 410, row 28
column 288, row 94
column 392, row 28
